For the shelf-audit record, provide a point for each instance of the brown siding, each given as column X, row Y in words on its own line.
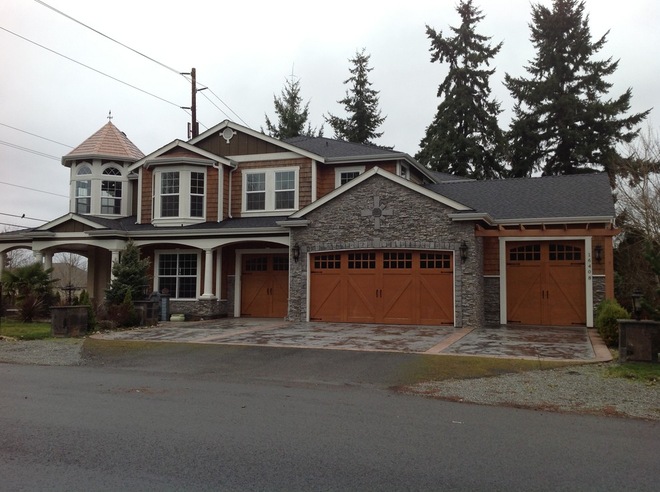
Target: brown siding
column 240, row 144
column 491, row 256
column 179, row 152
column 212, row 194
column 599, row 267
column 325, row 177
column 71, row 226
column 304, row 181
column 147, row 186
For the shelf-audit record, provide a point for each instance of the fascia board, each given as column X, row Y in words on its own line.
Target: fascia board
column 67, row 217
column 66, row 161
column 556, row 220
column 193, row 232
column 293, row 223
column 184, row 145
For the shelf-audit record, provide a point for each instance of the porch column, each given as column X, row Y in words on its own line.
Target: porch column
column 39, row 257
column 208, row 275
column 3, row 260
column 114, row 258
column 48, row 261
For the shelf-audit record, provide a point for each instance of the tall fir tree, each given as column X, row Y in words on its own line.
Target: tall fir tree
column 464, row 138
column 291, row 114
column 361, row 105
column 563, row 121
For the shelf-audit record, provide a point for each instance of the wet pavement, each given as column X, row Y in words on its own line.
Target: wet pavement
column 527, row 342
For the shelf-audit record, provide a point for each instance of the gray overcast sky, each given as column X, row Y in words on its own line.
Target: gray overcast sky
column 244, row 51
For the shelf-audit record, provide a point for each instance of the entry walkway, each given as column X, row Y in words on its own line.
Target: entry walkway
column 528, row 342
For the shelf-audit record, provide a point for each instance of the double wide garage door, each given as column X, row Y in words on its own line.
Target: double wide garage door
column 393, row 287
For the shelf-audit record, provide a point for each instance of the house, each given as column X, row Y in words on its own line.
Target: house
column 236, row 223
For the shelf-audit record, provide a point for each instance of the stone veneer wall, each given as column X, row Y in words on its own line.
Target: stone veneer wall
column 199, row 309
column 409, row 220
column 492, row 300
column 598, row 284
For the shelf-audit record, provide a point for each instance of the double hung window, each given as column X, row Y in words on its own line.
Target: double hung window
column 180, row 196
column 270, row 190
column 111, row 192
column 177, row 274
column 83, row 191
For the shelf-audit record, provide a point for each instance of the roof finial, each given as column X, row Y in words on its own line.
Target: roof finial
column 110, row 115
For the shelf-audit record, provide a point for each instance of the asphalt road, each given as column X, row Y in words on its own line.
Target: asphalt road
column 266, row 419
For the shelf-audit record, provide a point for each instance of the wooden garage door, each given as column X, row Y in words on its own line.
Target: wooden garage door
column 394, row 287
column 265, row 285
column 546, row 283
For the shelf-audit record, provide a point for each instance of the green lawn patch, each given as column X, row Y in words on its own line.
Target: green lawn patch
column 645, row 372
column 24, row 331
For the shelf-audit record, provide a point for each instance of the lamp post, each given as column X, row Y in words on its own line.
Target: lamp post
column 636, row 298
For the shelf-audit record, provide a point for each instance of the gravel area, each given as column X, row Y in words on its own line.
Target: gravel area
column 575, row 389
column 49, row 352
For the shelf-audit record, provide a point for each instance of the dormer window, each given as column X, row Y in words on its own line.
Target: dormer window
column 345, row 174
column 180, row 195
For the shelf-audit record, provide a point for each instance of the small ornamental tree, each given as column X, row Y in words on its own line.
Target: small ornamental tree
column 130, row 275
column 32, row 288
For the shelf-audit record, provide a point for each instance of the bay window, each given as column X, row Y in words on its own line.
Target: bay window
column 180, row 195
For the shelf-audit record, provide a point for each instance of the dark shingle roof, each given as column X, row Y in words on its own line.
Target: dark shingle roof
column 573, row 196
column 329, row 148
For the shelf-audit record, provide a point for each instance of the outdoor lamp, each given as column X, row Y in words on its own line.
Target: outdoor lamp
column 464, row 251
column 295, row 252
column 598, row 253
column 636, row 297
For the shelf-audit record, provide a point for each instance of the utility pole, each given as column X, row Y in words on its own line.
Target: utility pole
column 193, row 127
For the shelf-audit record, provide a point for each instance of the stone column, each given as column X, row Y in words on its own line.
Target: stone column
column 208, row 275
column 39, row 257
column 48, row 261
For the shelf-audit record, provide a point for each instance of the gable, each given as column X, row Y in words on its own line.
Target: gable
column 239, row 143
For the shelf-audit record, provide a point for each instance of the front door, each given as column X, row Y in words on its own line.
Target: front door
column 265, row 285
column 546, row 283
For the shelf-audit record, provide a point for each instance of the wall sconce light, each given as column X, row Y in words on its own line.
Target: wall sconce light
column 598, row 253
column 636, row 298
column 463, row 248
column 295, row 252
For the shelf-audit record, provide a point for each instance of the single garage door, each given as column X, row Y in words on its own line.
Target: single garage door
column 393, row 287
column 545, row 283
column 265, row 285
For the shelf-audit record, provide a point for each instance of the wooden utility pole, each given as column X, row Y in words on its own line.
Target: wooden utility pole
column 193, row 128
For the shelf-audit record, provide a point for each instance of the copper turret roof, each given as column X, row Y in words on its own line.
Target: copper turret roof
column 107, row 143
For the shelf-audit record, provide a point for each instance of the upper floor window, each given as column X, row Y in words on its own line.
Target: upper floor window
column 345, row 174
column 83, row 196
column 404, row 171
column 180, row 195
column 270, row 190
column 111, row 192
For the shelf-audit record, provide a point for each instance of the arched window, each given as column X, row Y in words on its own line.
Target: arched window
column 83, row 191
column 111, row 191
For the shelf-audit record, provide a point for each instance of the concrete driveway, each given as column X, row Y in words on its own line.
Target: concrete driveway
column 527, row 342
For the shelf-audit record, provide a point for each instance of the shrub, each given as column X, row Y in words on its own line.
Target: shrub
column 607, row 314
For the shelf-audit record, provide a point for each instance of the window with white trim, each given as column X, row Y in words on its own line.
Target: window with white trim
column 404, row 171
column 270, row 190
column 111, row 192
column 345, row 174
column 178, row 274
column 180, row 195
column 83, row 191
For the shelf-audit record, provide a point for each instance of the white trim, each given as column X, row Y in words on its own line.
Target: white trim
column 314, row 174
column 178, row 143
column 588, row 281
column 238, row 269
column 273, row 156
column 269, row 191
column 403, row 170
column 346, row 169
column 183, row 217
column 179, row 251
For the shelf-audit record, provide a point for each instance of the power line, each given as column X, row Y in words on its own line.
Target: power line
column 33, row 189
column 14, row 225
column 91, row 68
column 35, row 135
column 137, row 52
column 32, row 151
column 22, row 217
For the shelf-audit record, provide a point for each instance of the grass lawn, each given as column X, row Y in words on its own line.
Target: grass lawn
column 24, row 331
column 645, row 372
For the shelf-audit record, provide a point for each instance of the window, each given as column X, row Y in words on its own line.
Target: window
column 111, row 193
column 270, row 190
column 404, row 171
column 345, row 174
column 169, row 194
column 180, row 196
column 83, row 195
column 177, row 274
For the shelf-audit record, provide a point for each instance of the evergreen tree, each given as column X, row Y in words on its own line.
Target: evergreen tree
column 562, row 122
column 291, row 114
column 361, row 105
column 464, row 137
column 130, row 276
